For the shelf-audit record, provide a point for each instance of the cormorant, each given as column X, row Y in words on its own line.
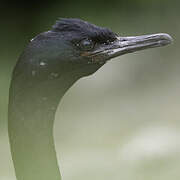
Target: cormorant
column 51, row 63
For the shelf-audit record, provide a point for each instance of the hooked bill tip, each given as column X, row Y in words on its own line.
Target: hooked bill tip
column 165, row 38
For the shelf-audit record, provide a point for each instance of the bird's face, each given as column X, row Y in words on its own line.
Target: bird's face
column 102, row 52
column 92, row 44
column 80, row 44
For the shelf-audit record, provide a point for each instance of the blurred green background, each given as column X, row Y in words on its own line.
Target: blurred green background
column 124, row 121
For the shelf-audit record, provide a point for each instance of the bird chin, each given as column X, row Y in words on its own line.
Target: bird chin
column 124, row 45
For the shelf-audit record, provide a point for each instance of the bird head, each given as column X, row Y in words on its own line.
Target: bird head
column 76, row 45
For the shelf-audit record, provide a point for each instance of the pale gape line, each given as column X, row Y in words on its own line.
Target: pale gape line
column 51, row 63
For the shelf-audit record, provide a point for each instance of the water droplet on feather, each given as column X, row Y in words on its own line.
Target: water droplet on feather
column 33, row 72
column 42, row 63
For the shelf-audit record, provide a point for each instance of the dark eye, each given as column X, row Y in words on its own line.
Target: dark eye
column 86, row 44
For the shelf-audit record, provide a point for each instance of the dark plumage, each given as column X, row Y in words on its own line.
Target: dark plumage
column 83, row 29
column 51, row 63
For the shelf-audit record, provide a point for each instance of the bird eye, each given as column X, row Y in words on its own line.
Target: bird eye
column 86, row 44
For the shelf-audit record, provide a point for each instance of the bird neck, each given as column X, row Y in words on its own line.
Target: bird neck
column 32, row 108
